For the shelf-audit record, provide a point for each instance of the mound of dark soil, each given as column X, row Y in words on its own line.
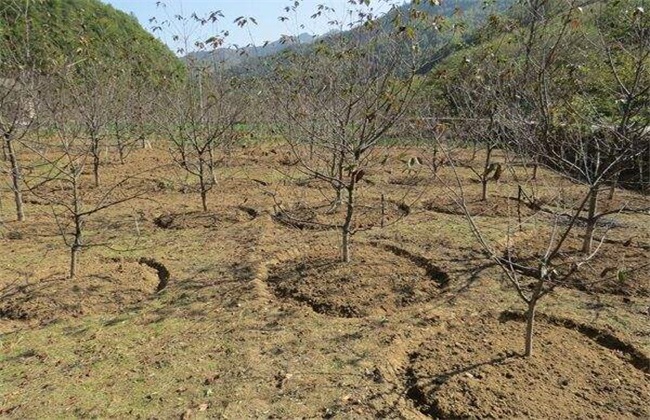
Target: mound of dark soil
column 378, row 281
column 474, row 371
column 322, row 217
column 412, row 180
column 495, row 206
column 225, row 215
column 106, row 287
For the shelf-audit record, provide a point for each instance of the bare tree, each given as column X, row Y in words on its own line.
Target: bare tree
column 337, row 100
column 61, row 179
column 18, row 101
column 589, row 141
column 552, row 113
column 203, row 117
column 93, row 98
column 533, row 272
column 17, row 116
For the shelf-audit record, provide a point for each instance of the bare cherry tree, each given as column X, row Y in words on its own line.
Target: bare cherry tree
column 603, row 127
column 555, row 114
column 18, row 95
column 337, row 100
column 203, row 115
column 61, row 178
column 93, row 95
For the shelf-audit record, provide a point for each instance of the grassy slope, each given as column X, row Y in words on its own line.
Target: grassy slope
column 51, row 33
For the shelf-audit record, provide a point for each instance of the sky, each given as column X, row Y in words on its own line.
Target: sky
column 265, row 12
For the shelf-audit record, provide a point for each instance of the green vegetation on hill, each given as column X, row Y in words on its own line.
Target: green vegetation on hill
column 49, row 34
column 577, row 75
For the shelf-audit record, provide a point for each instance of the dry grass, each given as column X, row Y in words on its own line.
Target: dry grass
column 218, row 341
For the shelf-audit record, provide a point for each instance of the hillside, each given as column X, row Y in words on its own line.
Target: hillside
column 590, row 62
column 48, row 34
column 236, row 56
column 467, row 14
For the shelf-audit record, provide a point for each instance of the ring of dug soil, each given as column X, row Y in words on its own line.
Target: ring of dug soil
column 381, row 279
column 325, row 217
column 577, row 371
column 115, row 284
column 495, row 206
column 221, row 216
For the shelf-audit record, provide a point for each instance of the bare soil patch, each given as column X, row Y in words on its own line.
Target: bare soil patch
column 621, row 270
column 378, row 281
column 494, row 206
column 473, row 370
column 224, row 215
column 108, row 287
column 324, row 217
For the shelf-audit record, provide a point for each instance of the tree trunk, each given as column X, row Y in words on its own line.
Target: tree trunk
column 346, row 228
column 96, row 161
column 76, row 246
column 612, row 188
column 530, row 323
column 487, row 168
column 15, row 178
column 204, row 187
column 204, row 199
column 591, row 221
column 121, row 151
column 74, row 253
column 484, row 189
column 213, row 175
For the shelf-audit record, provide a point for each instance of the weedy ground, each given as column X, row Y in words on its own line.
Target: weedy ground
column 258, row 320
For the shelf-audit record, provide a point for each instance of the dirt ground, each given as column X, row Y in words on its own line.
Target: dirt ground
column 257, row 319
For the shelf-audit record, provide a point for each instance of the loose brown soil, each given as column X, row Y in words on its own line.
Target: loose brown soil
column 258, row 318
column 494, row 206
column 473, row 370
column 214, row 218
column 379, row 281
column 110, row 285
column 324, row 217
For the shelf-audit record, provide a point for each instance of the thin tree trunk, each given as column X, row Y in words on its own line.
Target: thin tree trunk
column 486, row 172
column 204, row 199
column 15, row 178
column 74, row 254
column 484, row 185
column 96, row 161
column 213, row 175
column 591, row 221
column 78, row 224
column 346, row 228
column 612, row 188
column 76, row 246
column 204, row 188
column 530, row 324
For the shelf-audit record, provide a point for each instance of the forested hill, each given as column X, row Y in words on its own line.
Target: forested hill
column 575, row 78
column 50, row 34
column 470, row 13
